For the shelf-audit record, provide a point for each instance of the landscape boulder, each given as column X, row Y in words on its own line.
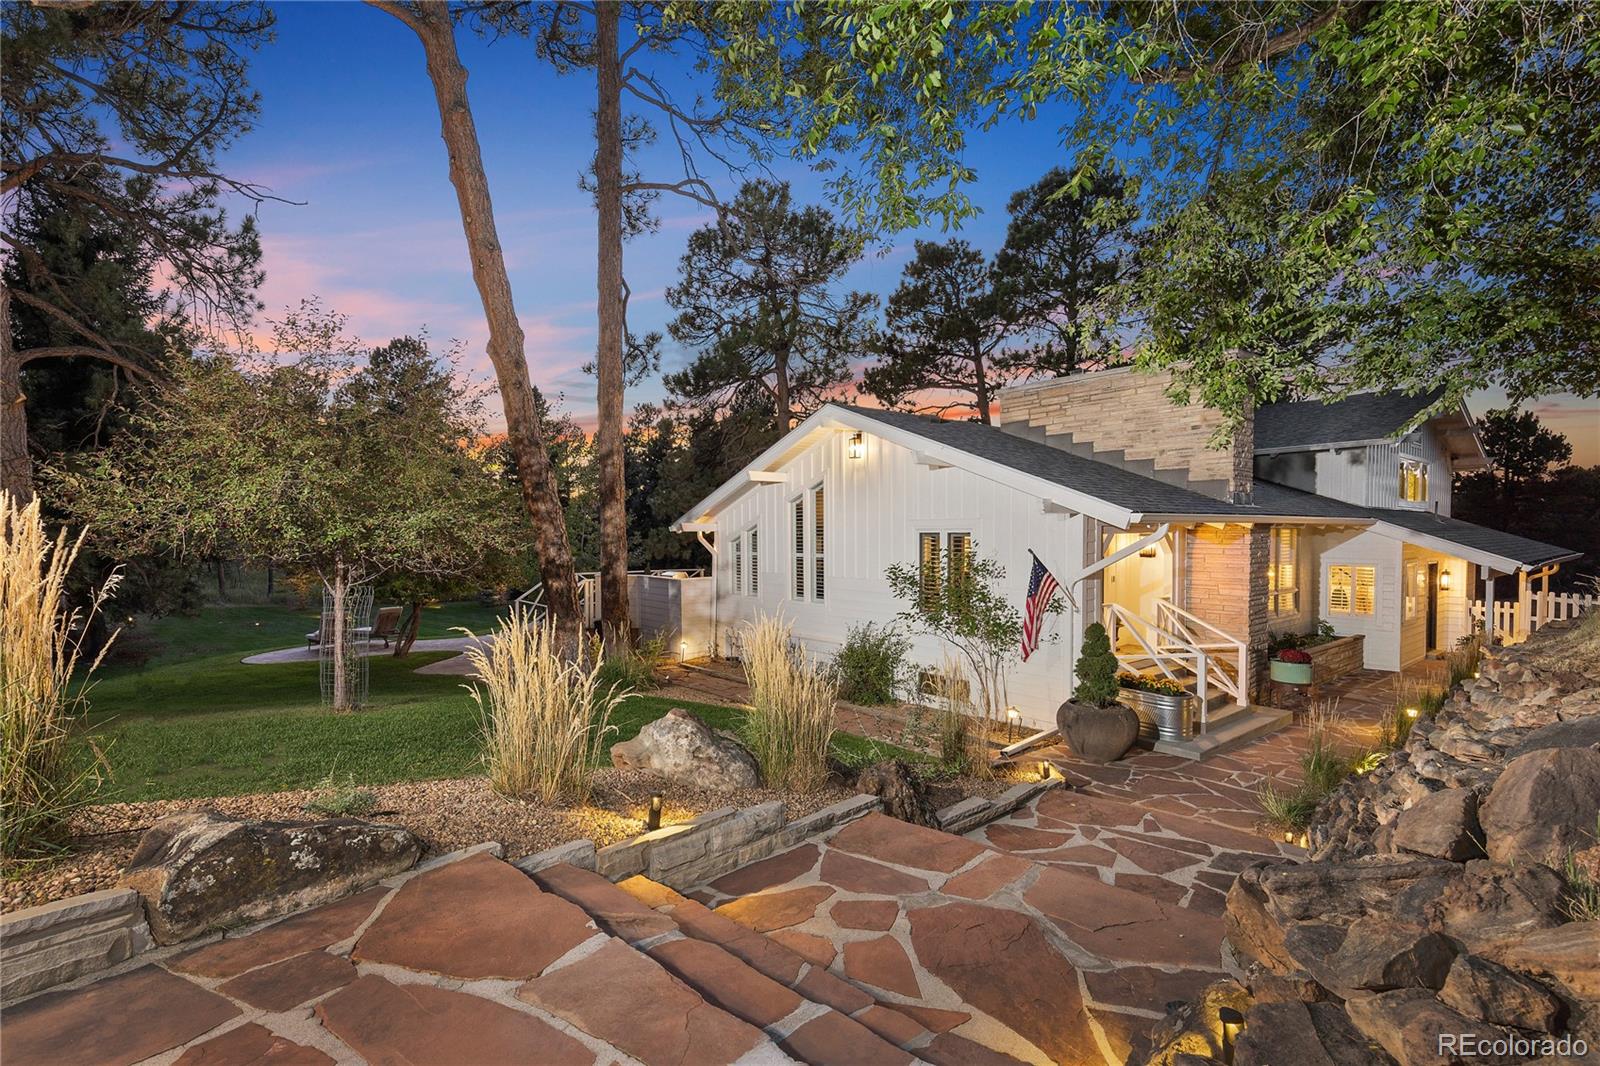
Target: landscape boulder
column 1543, row 806
column 1488, row 991
column 1409, row 1022
column 679, row 747
column 1443, row 825
column 904, row 794
column 1377, row 954
column 199, row 870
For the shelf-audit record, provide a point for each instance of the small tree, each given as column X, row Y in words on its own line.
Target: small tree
column 1097, row 670
column 331, row 459
column 958, row 603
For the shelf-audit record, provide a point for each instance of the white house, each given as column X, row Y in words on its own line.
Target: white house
column 1193, row 554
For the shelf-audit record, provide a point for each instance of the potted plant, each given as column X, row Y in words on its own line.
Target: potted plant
column 1165, row 707
column 1094, row 723
column 1291, row 666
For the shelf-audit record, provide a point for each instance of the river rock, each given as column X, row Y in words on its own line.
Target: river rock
column 199, row 870
column 679, row 747
column 1543, row 806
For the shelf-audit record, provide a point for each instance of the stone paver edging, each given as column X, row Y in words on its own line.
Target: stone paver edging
column 54, row 942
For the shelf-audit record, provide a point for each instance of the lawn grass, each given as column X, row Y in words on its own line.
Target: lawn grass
column 205, row 724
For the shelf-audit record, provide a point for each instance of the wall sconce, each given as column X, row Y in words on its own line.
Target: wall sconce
column 652, row 821
column 1148, row 552
column 1444, row 579
column 858, row 446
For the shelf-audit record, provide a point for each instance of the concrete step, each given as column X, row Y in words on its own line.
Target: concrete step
column 1227, row 731
column 809, row 1013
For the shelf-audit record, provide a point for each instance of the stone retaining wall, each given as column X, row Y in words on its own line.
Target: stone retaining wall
column 693, row 852
column 970, row 813
column 1344, row 655
column 58, row 941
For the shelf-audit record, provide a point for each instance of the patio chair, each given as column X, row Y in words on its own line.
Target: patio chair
column 386, row 625
column 324, row 632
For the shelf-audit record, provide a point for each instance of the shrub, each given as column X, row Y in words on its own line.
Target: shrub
column 790, row 723
column 871, row 665
column 41, row 779
column 346, row 800
column 1097, row 669
column 1464, row 660
column 633, row 670
column 545, row 716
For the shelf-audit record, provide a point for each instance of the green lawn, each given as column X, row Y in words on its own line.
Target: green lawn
column 195, row 722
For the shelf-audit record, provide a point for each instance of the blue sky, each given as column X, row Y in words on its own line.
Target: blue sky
column 349, row 126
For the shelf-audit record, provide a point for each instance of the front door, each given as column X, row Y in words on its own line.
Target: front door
column 1433, row 607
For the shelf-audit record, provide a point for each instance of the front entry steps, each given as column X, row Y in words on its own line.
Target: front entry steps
column 1227, row 728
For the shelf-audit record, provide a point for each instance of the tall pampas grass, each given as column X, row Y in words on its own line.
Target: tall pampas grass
column 545, row 715
column 42, row 689
column 790, row 724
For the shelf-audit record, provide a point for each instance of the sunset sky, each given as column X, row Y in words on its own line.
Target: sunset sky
column 349, row 126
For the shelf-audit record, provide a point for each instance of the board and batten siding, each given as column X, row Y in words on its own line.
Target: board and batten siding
column 875, row 507
column 1454, row 620
column 1370, row 475
column 1382, row 626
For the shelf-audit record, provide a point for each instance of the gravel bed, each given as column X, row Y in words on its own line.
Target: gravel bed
column 446, row 814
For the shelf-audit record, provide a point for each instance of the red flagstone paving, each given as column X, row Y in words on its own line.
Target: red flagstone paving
column 252, row 1045
column 114, row 1022
column 859, row 875
column 778, row 870
column 776, row 910
column 872, row 914
column 474, row 918
column 727, row 981
column 634, row 1004
column 987, row 878
column 883, row 964
column 814, row 949
column 612, row 909
column 404, row 1025
column 312, row 930
column 291, row 982
column 877, row 836
column 833, row 1038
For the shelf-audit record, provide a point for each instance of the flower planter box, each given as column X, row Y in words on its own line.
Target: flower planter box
column 1162, row 716
column 1291, row 673
column 1343, row 655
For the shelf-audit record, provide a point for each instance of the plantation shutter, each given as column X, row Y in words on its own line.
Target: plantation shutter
column 799, row 553
column 818, row 585
column 738, row 566
column 1339, row 589
column 1366, row 589
column 755, row 568
column 1283, row 577
column 960, row 548
column 928, row 567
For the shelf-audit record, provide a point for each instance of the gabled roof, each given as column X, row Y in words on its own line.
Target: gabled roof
column 1365, row 418
column 1118, row 496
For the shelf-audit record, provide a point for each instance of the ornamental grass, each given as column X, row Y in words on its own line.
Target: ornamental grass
column 545, row 715
column 790, row 724
column 43, row 683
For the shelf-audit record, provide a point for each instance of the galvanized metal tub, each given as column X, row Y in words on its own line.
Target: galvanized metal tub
column 1162, row 716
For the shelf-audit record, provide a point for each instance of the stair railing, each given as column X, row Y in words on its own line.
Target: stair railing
column 1164, row 649
column 1230, row 656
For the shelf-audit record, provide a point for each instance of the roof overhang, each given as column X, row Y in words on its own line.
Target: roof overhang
column 833, row 419
column 1482, row 557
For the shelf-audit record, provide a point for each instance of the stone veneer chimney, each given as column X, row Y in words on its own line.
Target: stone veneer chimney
column 1124, row 417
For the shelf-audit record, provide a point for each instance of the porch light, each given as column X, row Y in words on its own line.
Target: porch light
column 1147, row 552
column 858, row 446
column 1444, row 579
column 653, row 821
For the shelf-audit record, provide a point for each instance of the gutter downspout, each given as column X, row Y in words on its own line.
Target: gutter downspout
column 716, row 635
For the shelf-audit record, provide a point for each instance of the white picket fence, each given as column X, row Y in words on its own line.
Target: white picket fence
column 1552, row 607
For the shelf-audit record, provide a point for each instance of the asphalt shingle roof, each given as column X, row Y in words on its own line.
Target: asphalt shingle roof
column 1145, row 495
column 1367, row 416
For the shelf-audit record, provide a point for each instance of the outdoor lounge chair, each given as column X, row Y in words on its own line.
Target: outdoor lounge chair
column 323, row 632
column 386, row 625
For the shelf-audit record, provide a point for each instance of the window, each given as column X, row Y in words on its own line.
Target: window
column 939, row 557
column 1352, row 589
column 753, row 581
column 1413, row 481
column 1283, row 571
column 818, row 585
column 798, row 584
column 738, row 566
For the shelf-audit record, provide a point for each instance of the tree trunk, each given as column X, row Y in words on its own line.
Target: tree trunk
column 431, row 23
column 335, row 633
column 608, row 362
column 982, row 390
column 222, row 579
column 16, row 467
column 408, row 631
column 780, row 392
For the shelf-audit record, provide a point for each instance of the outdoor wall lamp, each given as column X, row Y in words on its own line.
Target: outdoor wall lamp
column 1444, row 579
column 858, row 446
column 653, row 821
column 1148, row 553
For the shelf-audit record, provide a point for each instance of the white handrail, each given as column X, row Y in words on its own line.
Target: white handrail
column 1237, row 685
column 1168, row 648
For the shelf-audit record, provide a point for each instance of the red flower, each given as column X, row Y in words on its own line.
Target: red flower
column 1294, row 655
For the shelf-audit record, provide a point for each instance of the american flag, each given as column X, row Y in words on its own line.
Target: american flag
column 1041, row 590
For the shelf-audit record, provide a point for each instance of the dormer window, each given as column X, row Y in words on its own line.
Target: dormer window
column 1413, row 481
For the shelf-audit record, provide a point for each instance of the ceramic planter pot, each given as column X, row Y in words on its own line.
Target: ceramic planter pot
column 1290, row 673
column 1162, row 716
column 1097, row 734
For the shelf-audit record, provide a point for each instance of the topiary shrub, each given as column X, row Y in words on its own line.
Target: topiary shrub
column 1097, row 670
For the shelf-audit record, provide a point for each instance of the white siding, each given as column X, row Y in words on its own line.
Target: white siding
column 1454, row 621
column 1370, row 476
column 875, row 508
column 1382, row 626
